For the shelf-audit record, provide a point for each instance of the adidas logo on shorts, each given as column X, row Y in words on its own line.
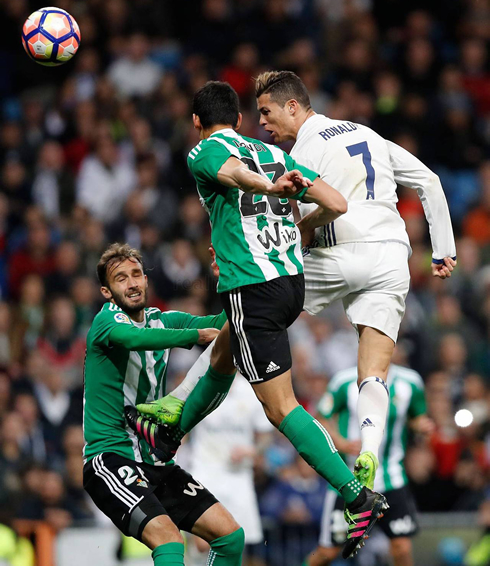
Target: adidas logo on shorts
column 272, row 367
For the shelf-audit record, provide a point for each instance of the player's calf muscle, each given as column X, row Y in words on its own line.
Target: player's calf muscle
column 221, row 357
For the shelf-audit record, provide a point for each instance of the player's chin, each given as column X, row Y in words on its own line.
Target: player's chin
column 135, row 306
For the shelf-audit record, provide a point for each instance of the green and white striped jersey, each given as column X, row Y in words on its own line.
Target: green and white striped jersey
column 255, row 237
column 128, row 372
column 407, row 401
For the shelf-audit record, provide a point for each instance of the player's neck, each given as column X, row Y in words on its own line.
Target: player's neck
column 303, row 117
column 205, row 133
column 137, row 316
column 297, row 122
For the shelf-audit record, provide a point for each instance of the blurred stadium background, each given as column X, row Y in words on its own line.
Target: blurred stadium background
column 95, row 151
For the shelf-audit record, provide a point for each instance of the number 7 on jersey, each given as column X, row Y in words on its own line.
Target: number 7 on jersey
column 363, row 149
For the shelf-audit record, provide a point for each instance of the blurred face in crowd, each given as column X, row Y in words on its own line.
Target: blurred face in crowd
column 127, row 286
column 278, row 121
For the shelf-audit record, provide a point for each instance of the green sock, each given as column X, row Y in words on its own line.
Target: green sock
column 315, row 445
column 207, row 396
column 170, row 554
column 227, row 550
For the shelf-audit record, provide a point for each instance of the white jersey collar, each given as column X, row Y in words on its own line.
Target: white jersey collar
column 226, row 131
column 307, row 124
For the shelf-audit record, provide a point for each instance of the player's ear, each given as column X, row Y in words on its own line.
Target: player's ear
column 106, row 293
column 239, row 121
column 197, row 122
column 292, row 106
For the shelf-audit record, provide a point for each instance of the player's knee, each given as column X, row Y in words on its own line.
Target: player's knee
column 160, row 530
column 229, row 545
column 323, row 556
column 401, row 548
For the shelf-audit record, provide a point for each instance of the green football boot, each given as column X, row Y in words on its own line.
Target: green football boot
column 166, row 410
column 365, row 469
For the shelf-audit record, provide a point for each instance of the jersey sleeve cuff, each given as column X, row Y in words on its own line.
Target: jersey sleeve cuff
column 440, row 261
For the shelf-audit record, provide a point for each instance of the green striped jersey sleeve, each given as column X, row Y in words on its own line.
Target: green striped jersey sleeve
column 206, row 159
column 177, row 319
column 308, row 173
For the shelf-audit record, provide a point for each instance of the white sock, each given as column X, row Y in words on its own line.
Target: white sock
column 200, row 367
column 372, row 408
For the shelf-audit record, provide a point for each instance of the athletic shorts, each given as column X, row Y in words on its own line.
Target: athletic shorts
column 259, row 317
column 400, row 520
column 133, row 493
column 371, row 278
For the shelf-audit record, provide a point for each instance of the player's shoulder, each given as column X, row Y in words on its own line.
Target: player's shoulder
column 406, row 374
column 110, row 314
column 215, row 143
column 194, row 152
column 154, row 312
column 343, row 377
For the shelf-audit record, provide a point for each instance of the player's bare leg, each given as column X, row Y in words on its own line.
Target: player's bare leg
column 322, row 556
column 161, row 530
column 163, row 537
column 374, row 358
column 401, row 551
column 314, row 444
column 225, row 536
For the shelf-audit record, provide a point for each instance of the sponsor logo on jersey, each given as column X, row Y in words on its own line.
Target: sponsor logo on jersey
column 272, row 367
column 141, row 483
column 121, row 317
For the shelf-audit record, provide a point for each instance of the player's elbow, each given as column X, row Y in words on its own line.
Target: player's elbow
column 339, row 206
column 433, row 182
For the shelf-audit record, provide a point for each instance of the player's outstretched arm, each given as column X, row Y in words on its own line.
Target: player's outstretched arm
column 234, row 173
column 412, row 173
column 133, row 338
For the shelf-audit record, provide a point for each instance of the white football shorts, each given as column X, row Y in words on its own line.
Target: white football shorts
column 371, row 278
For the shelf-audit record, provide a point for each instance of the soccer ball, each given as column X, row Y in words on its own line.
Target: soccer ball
column 50, row 36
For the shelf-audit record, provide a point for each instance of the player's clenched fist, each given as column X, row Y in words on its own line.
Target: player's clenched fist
column 443, row 270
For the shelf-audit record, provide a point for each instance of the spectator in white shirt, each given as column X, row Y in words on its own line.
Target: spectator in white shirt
column 104, row 182
column 134, row 74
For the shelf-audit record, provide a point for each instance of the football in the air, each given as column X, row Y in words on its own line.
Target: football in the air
column 50, row 36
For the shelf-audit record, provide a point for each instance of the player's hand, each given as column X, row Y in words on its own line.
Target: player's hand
column 166, row 410
column 214, row 265
column 423, row 425
column 351, row 447
column 443, row 270
column 207, row 335
column 298, row 179
column 289, row 184
column 307, row 234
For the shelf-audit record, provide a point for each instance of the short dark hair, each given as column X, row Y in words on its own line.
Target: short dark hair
column 116, row 253
column 282, row 86
column 216, row 103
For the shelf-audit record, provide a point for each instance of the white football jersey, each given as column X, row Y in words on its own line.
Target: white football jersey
column 365, row 168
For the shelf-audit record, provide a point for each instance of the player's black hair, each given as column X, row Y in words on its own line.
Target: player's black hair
column 282, row 86
column 216, row 103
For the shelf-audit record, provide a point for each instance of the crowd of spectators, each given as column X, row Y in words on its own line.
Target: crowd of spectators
column 95, row 151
